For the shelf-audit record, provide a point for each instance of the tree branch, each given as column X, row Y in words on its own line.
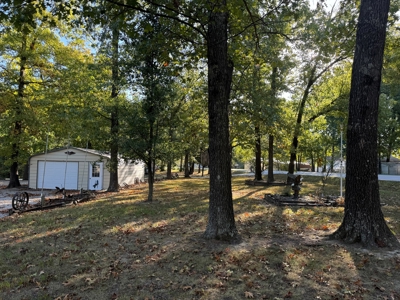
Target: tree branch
column 164, row 15
column 253, row 23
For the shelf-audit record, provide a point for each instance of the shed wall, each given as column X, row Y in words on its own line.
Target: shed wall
column 129, row 172
column 83, row 158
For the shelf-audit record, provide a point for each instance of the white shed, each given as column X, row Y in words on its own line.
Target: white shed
column 77, row 168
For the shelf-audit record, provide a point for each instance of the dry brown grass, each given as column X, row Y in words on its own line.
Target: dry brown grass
column 119, row 247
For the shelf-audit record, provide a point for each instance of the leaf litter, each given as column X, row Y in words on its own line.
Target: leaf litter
column 117, row 247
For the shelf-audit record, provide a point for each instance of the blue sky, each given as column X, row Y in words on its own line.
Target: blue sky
column 330, row 3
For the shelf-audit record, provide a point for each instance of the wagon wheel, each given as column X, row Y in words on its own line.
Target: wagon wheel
column 20, row 201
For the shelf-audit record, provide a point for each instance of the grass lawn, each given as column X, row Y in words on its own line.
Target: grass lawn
column 119, row 247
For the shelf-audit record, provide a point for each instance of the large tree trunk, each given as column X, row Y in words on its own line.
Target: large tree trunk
column 363, row 218
column 25, row 176
column 271, row 158
column 169, row 169
column 221, row 220
column 258, row 171
column 114, row 130
column 14, row 180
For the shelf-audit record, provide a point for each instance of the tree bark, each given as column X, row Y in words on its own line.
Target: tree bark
column 25, row 176
column 271, row 158
column 312, row 162
column 114, row 129
column 150, row 179
column 221, row 221
column 169, row 169
column 332, row 157
column 295, row 143
column 170, row 157
column 150, row 163
column 186, row 163
column 114, row 147
column 191, row 169
column 274, row 90
column 363, row 220
column 258, row 171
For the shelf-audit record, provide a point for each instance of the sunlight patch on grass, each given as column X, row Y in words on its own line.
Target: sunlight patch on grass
column 123, row 246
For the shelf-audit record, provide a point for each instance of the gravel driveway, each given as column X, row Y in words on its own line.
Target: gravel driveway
column 6, row 195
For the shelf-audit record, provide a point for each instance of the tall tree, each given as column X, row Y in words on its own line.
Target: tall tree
column 221, row 220
column 363, row 218
column 35, row 68
column 114, row 115
column 153, row 77
column 327, row 39
column 18, row 105
column 108, row 24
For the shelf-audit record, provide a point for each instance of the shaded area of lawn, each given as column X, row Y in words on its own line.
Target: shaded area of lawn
column 119, row 247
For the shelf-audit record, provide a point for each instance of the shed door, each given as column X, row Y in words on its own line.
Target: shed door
column 96, row 176
column 57, row 173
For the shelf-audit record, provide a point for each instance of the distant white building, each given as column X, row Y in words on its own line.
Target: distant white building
column 392, row 167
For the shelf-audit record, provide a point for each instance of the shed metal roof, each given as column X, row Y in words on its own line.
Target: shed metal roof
column 91, row 151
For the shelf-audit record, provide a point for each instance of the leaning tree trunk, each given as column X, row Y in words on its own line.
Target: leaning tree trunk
column 271, row 158
column 221, row 220
column 297, row 126
column 363, row 218
column 258, row 171
column 114, row 130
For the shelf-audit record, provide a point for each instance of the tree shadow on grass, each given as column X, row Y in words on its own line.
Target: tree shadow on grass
column 129, row 249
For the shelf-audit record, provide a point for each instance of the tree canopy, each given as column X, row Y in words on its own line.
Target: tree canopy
column 159, row 81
